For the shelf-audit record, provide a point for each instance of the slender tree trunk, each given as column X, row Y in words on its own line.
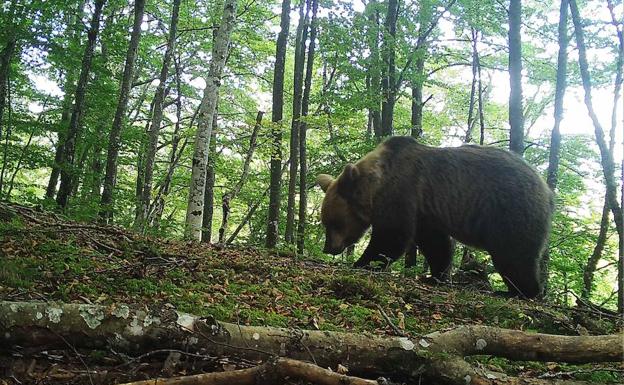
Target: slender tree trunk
column 158, row 205
column 300, row 42
column 562, row 61
column 592, row 262
column 110, row 179
column 157, row 115
column 194, row 212
column 210, row 184
column 5, row 66
column 480, row 100
column 233, row 193
column 473, row 87
column 555, row 138
column 417, row 95
column 276, row 129
column 619, row 79
column 75, row 122
column 5, row 60
column 388, row 82
column 516, row 119
column 303, row 158
column 606, row 155
column 374, row 68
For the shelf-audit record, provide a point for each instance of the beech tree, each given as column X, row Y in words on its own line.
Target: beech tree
column 194, row 211
column 516, row 115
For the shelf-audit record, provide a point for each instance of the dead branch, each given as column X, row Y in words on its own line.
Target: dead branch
column 267, row 373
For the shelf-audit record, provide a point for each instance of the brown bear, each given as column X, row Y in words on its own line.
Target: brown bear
column 410, row 194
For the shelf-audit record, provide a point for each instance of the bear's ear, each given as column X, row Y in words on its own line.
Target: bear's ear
column 347, row 182
column 324, row 181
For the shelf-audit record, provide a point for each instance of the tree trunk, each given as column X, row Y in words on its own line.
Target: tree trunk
column 606, row 156
column 157, row 115
column 5, row 66
column 69, row 89
column 158, row 205
column 374, row 68
column 276, row 129
column 388, row 82
column 592, row 262
column 75, row 122
column 233, row 193
column 5, row 60
column 210, row 184
column 417, row 95
column 194, row 212
column 555, row 138
column 562, row 62
column 303, row 158
column 300, row 43
column 110, row 179
column 619, row 79
column 516, row 118
column 437, row 356
column 473, row 87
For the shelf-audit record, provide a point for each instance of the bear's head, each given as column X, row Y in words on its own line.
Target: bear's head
column 346, row 208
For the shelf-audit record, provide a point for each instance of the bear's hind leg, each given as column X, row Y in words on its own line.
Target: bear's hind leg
column 437, row 247
column 519, row 274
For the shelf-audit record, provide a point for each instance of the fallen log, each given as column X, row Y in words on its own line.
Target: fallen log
column 437, row 355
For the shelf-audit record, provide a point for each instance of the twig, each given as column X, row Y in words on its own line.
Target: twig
column 389, row 321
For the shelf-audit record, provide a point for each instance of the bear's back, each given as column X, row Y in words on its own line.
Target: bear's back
column 480, row 195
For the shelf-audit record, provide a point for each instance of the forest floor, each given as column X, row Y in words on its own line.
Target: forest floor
column 45, row 257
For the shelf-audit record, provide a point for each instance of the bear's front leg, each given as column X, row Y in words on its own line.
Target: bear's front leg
column 386, row 245
column 372, row 260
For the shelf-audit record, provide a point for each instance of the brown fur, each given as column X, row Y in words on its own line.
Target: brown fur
column 482, row 196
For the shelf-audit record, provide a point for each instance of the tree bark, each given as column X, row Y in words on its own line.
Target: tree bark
column 516, row 118
column 592, row 262
column 75, row 122
column 300, row 43
column 562, row 62
column 388, row 81
column 5, row 59
column 555, row 138
column 210, row 184
column 114, row 138
column 124, row 329
column 473, row 86
column 619, row 79
column 158, row 205
column 276, row 129
column 159, row 98
column 194, row 212
column 374, row 68
column 303, row 157
column 233, row 193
